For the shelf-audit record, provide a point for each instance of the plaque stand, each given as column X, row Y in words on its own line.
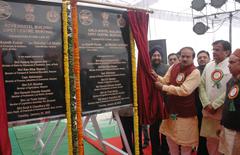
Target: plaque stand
column 59, row 142
column 98, row 135
column 41, row 131
column 124, row 137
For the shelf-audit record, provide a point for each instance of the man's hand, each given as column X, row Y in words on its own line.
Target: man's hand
column 219, row 130
column 158, row 85
column 209, row 108
column 154, row 74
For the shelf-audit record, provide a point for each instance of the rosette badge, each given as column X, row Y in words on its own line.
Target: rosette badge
column 216, row 77
column 180, row 78
column 233, row 93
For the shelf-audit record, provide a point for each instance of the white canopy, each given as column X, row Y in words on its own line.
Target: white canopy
column 172, row 20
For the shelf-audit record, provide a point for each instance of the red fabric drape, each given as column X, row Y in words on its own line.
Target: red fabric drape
column 5, row 145
column 150, row 101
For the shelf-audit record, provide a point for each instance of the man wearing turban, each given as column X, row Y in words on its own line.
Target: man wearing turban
column 230, row 135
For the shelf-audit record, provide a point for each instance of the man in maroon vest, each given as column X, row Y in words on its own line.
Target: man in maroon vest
column 230, row 135
column 180, row 82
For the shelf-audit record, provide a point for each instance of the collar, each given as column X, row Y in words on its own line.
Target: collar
column 223, row 63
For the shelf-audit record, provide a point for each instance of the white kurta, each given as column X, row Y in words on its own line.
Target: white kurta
column 209, row 93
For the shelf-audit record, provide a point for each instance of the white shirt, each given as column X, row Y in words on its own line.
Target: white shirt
column 208, row 91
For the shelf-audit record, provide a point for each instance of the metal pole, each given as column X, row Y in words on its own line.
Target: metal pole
column 59, row 142
column 115, row 5
column 49, row 138
column 230, row 28
column 98, row 133
column 213, row 29
column 214, row 14
column 124, row 137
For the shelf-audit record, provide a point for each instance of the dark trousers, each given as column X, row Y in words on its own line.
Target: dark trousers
column 145, row 134
column 127, row 123
column 159, row 147
column 202, row 147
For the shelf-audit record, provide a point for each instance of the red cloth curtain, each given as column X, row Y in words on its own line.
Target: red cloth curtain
column 5, row 145
column 150, row 101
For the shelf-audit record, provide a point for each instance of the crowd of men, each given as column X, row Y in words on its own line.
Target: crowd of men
column 203, row 103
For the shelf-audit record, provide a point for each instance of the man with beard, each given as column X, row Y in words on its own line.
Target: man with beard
column 180, row 82
column 202, row 58
column 158, row 147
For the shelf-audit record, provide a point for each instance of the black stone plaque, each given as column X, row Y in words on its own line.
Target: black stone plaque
column 31, row 44
column 105, row 59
